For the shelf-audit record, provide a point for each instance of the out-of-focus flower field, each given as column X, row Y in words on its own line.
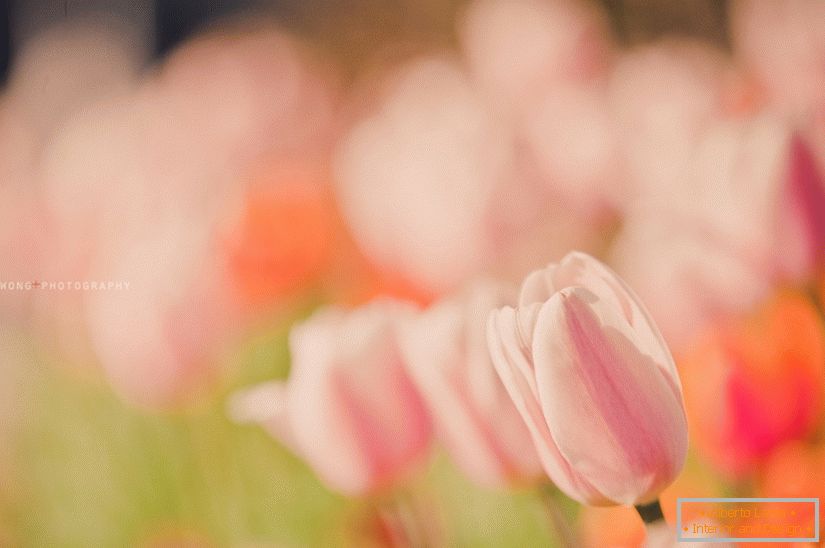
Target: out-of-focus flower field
column 263, row 290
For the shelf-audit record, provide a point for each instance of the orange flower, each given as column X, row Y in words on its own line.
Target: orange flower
column 751, row 386
column 281, row 238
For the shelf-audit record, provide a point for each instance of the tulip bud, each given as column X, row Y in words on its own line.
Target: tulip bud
column 349, row 408
column 594, row 381
column 447, row 357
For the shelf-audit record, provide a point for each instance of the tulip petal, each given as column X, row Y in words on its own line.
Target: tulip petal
column 807, row 196
column 608, row 406
column 511, row 365
column 538, row 286
column 266, row 404
column 436, row 363
column 357, row 417
column 580, row 269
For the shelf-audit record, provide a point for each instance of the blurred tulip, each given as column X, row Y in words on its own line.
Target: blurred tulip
column 117, row 219
column 756, row 384
column 664, row 96
column 746, row 215
column 594, row 381
column 572, row 135
column 540, row 67
column 518, row 50
column 446, row 353
column 783, row 43
column 281, row 103
column 168, row 162
column 688, row 279
column 420, row 173
column 434, row 165
column 58, row 74
column 349, row 408
column 159, row 337
column 280, row 238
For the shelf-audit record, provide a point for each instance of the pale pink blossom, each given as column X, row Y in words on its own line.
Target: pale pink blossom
column 783, row 45
column 172, row 160
column 745, row 214
column 594, row 381
column 160, row 335
column 446, row 352
column 519, row 50
column 435, row 186
column 664, row 96
column 542, row 67
column 348, row 408
column 419, row 175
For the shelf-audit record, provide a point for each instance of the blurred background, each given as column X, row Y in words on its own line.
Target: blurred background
column 183, row 181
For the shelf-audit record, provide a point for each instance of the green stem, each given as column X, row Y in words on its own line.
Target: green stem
column 404, row 522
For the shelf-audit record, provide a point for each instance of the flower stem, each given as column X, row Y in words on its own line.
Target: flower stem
column 403, row 524
column 561, row 526
column 659, row 534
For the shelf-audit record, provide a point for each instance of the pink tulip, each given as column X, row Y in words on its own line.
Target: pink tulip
column 594, row 381
column 663, row 97
column 519, row 50
column 160, row 338
column 432, row 164
column 421, row 172
column 783, row 44
column 171, row 167
column 541, row 66
column 746, row 213
column 281, row 99
column 349, row 408
column 688, row 279
column 446, row 353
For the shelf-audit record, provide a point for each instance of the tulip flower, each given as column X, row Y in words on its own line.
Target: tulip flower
column 432, row 164
column 519, row 50
column 542, row 66
column 447, row 357
column 664, row 96
column 279, row 240
column 747, row 214
column 421, row 173
column 782, row 43
column 756, row 384
column 594, row 382
column 349, row 408
column 154, row 350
